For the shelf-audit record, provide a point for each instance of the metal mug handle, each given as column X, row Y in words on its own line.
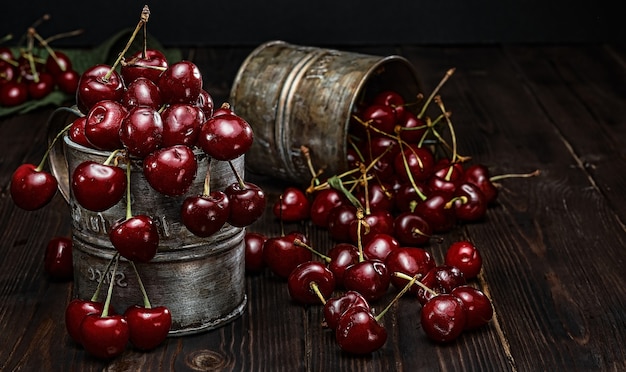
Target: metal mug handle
column 57, row 122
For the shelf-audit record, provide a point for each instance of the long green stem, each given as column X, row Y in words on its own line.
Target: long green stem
column 107, row 302
column 47, row 153
column 96, row 293
column 146, row 301
column 129, row 212
column 418, row 283
column 397, row 297
column 435, row 91
column 316, row 289
column 302, row 244
column 145, row 14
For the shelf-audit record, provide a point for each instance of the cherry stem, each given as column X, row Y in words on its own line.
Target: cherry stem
column 96, row 293
column 206, row 189
column 435, row 91
column 242, row 184
column 418, row 283
column 302, row 244
column 515, row 175
column 29, row 55
column 145, row 14
column 50, row 146
column 6, row 37
column 111, row 157
column 309, row 162
column 280, row 215
column 146, row 301
column 336, row 183
column 419, row 192
column 129, row 212
column 359, row 240
column 397, row 297
column 64, row 34
column 107, row 302
column 446, row 116
column 316, row 289
column 463, row 199
column 44, row 43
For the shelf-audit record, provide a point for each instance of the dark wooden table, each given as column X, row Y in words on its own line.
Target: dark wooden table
column 553, row 246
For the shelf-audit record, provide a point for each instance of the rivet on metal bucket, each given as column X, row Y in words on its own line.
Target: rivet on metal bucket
column 201, row 280
column 297, row 95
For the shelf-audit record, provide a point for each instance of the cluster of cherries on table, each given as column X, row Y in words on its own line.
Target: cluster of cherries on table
column 157, row 114
column 35, row 72
column 381, row 216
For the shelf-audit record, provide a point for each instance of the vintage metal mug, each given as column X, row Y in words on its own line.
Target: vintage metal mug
column 298, row 95
column 200, row 280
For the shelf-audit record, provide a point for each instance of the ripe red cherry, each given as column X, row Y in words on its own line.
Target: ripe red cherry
column 412, row 128
column 409, row 261
column 336, row 306
column 102, row 128
column 381, row 117
column 478, row 175
column 94, row 86
column 358, row 332
column 370, row 278
column 148, row 327
column 141, row 131
column 379, row 222
column 32, row 188
column 470, row 203
column 58, row 262
column 464, row 256
column 136, row 238
column 42, row 87
column 418, row 160
column 76, row 310
column 13, row 93
column 323, row 202
column 7, row 72
column 282, row 256
column 411, row 230
column 181, row 124
column 171, row 170
column 98, row 187
column 392, row 99
column 142, row 92
column 225, row 137
column 477, row 306
column 205, row 103
column 67, row 81
column 339, row 220
column 342, row 256
column 247, row 203
column 104, row 337
column 437, row 212
column 443, row 318
column 407, row 196
column 204, row 215
column 380, row 197
column 147, row 64
column 180, row 83
column 58, row 65
column 302, row 279
column 292, row 206
column 254, row 243
column 379, row 246
column 77, row 131
column 440, row 279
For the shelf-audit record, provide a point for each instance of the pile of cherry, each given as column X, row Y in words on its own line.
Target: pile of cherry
column 406, row 185
column 36, row 71
column 158, row 114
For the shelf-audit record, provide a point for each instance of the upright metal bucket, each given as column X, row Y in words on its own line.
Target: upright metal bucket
column 200, row 280
column 297, row 95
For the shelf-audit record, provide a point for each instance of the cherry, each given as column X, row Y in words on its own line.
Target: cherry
column 342, row 256
column 282, row 256
column 464, row 256
column 67, row 81
column 102, row 128
column 478, row 175
column 104, row 337
column 470, row 203
column 171, row 170
column 392, row 99
column 292, row 206
column 379, row 197
column 409, row 261
column 379, row 246
column 407, row 196
column 7, row 72
column 136, row 238
column 254, row 243
column 378, row 222
column 58, row 63
column 310, row 283
column 98, row 187
column 148, row 64
column 442, row 185
column 358, row 331
column 205, row 214
column 323, row 202
column 76, row 310
column 181, row 82
column 419, row 161
column 181, row 124
column 148, row 326
column 443, row 318
column 247, row 203
column 42, row 87
column 141, row 131
column 13, row 93
column 412, row 128
column 381, row 117
column 58, row 262
column 205, row 103
column 142, row 92
column 98, row 83
column 31, row 187
column 411, row 230
column 437, row 211
column 225, row 137
column 336, row 306
column 477, row 306
column 339, row 220
column 77, row 131
column 370, row 278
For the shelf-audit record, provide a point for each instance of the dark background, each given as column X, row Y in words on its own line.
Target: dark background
column 323, row 22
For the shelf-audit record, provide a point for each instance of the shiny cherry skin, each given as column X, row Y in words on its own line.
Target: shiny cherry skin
column 381, row 117
column 181, row 82
column 407, row 196
column 380, row 196
column 32, row 188
column 443, row 318
column 42, row 87
column 104, row 337
column 204, row 215
column 379, row 246
column 254, row 243
column 148, row 64
column 67, row 81
column 58, row 263
column 13, row 93
column 77, row 132
column 339, row 220
column 323, row 202
column 470, row 203
column 466, row 257
column 205, row 103
column 282, row 256
column 104, row 121
column 247, row 203
column 181, row 124
column 77, row 309
column 342, row 256
column 477, row 306
column 148, row 327
column 58, row 65
column 98, row 187
column 440, row 279
column 171, row 170
column 420, row 162
column 225, row 137
column 370, row 278
column 379, row 222
column 136, row 238
column 478, row 175
column 93, row 87
column 336, row 306
column 437, row 212
column 292, row 206
column 141, row 131
column 410, row 261
column 142, row 92
column 412, row 128
column 411, row 230
column 392, row 99
column 301, row 280
column 358, row 331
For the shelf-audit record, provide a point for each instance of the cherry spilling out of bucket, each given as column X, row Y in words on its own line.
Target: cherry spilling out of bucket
column 146, row 115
